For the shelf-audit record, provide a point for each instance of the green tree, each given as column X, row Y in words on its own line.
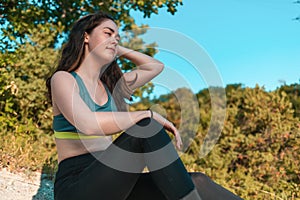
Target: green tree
column 258, row 154
column 293, row 93
column 26, row 124
column 21, row 16
column 31, row 36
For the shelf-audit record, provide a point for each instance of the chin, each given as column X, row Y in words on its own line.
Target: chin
column 104, row 59
column 108, row 60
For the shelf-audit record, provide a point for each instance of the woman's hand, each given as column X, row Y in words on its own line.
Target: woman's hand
column 121, row 50
column 170, row 127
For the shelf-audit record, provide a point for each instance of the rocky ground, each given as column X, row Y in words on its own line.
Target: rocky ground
column 20, row 186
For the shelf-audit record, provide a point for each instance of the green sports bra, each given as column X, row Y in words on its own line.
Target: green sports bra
column 63, row 129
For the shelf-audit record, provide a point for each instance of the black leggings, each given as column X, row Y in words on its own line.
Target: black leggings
column 115, row 174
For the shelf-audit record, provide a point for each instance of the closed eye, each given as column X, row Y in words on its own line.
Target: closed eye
column 108, row 33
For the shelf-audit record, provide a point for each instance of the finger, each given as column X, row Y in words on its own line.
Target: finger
column 179, row 145
column 173, row 128
column 178, row 140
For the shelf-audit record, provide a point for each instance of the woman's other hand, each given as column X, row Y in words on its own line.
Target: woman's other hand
column 170, row 127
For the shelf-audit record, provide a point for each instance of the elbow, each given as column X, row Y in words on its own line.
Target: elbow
column 91, row 124
column 89, row 129
column 160, row 67
column 93, row 132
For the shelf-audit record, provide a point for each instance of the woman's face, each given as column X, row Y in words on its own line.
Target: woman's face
column 102, row 42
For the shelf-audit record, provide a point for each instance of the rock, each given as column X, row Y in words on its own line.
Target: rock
column 18, row 186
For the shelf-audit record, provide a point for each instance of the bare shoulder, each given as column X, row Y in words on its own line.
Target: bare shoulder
column 61, row 76
column 62, row 79
column 62, row 82
column 63, row 86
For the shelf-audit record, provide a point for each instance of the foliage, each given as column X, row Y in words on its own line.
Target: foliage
column 260, row 144
column 32, row 33
column 293, row 93
column 18, row 18
column 25, row 111
column 257, row 155
column 23, row 15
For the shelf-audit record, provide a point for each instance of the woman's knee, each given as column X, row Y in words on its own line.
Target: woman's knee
column 150, row 133
column 199, row 178
column 144, row 121
column 146, row 128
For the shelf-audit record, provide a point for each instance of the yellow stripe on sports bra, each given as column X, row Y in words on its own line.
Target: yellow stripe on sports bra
column 73, row 135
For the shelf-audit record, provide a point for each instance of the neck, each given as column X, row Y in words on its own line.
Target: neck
column 91, row 68
column 88, row 73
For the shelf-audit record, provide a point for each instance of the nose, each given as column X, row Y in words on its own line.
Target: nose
column 114, row 41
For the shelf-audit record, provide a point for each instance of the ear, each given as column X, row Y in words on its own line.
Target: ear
column 86, row 37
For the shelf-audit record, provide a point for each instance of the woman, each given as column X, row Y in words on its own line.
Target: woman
column 87, row 91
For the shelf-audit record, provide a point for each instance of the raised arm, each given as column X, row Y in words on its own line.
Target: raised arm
column 147, row 67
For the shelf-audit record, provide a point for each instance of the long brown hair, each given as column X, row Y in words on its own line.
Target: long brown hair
column 73, row 54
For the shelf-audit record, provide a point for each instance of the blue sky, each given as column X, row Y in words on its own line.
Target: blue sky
column 250, row 42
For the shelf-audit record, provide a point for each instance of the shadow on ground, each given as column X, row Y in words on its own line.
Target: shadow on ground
column 45, row 191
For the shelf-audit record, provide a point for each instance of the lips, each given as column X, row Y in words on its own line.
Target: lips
column 112, row 49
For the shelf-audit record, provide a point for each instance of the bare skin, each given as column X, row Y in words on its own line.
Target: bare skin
column 101, row 48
